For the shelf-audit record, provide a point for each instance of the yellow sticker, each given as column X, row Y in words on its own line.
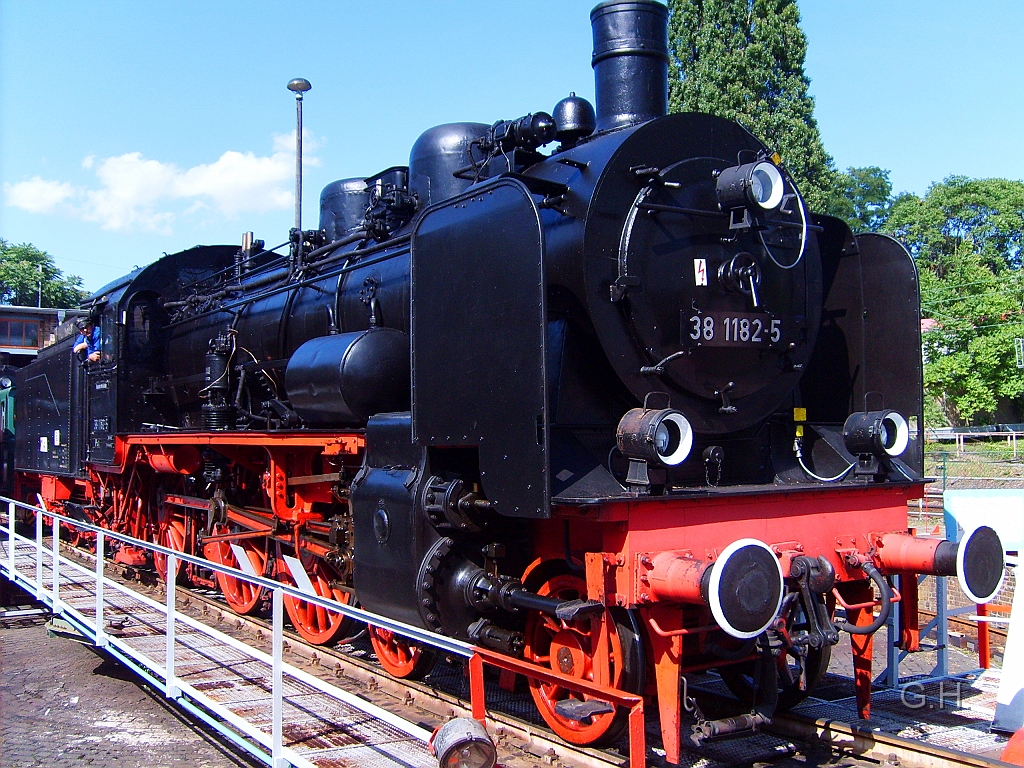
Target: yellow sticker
column 799, row 430
column 799, row 414
column 776, row 158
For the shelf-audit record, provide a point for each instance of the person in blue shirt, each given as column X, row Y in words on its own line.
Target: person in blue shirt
column 87, row 345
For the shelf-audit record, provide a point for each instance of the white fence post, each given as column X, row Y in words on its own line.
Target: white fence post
column 101, row 636
column 277, row 712
column 10, row 536
column 56, row 564
column 171, row 680
column 39, row 554
column 942, row 627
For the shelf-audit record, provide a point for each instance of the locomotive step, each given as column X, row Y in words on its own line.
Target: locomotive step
column 580, row 711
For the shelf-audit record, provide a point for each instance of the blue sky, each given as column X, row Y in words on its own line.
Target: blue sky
column 131, row 128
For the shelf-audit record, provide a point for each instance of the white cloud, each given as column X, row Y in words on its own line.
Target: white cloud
column 241, row 182
column 136, row 193
column 38, row 195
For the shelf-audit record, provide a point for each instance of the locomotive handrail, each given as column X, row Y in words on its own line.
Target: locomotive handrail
column 442, row 642
column 231, row 267
column 477, row 656
column 305, row 282
column 251, row 735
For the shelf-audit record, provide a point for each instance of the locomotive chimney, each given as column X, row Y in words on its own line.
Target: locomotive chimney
column 630, row 61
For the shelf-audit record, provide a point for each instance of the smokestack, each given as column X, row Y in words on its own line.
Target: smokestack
column 630, row 61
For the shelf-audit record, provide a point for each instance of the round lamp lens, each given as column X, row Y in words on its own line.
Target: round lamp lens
column 463, row 743
column 766, row 186
column 673, row 438
column 894, row 433
column 757, row 187
column 885, row 435
column 662, row 438
column 475, row 755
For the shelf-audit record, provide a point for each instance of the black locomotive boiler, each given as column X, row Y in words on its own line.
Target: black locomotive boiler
column 592, row 387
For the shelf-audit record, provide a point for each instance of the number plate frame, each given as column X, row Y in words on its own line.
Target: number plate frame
column 733, row 329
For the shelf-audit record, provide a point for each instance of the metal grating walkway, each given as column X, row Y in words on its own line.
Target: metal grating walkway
column 955, row 713
column 217, row 675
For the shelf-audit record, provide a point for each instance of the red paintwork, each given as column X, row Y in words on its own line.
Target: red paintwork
column 896, row 552
column 179, row 460
column 830, row 522
column 644, row 552
column 675, row 578
column 910, row 629
column 56, row 488
column 862, row 645
column 649, row 553
column 130, row 556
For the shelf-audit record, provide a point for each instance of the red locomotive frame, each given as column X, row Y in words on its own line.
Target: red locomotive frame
column 617, row 545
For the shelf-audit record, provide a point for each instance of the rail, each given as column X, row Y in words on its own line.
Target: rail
column 268, row 747
column 887, row 749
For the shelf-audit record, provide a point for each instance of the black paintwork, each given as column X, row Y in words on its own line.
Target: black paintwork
column 869, row 351
column 519, row 304
column 478, row 324
column 48, row 428
column 630, row 61
column 342, row 207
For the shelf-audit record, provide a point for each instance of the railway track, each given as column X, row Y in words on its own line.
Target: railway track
column 790, row 741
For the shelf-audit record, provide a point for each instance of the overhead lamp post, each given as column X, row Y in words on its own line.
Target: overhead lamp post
column 298, row 86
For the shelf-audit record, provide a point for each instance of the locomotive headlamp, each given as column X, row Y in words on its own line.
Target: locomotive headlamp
column 463, row 743
column 662, row 437
column 751, row 185
column 878, row 433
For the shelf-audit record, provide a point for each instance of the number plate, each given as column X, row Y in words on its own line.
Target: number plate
column 730, row 329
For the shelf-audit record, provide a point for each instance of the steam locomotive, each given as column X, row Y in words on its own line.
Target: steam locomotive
column 622, row 406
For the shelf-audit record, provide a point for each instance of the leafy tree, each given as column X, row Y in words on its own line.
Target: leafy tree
column 965, row 235
column 988, row 213
column 744, row 60
column 866, row 198
column 27, row 273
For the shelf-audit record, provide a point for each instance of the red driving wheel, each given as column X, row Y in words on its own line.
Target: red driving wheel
column 171, row 534
column 567, row 647
column 399, row 656
column 243, row 596
column 317, row 625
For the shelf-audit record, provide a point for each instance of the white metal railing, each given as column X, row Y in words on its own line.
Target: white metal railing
column 163, row 676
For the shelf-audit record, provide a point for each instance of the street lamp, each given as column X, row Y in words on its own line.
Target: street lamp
column 298, row 86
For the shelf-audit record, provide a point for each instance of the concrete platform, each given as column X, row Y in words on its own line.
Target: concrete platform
column 322, row 725
column 65, row 704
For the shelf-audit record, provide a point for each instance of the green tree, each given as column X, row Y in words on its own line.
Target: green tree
column 966, row 237
column 989, row 213
column 744, row 60
column 28, row 275
column 866, row 198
